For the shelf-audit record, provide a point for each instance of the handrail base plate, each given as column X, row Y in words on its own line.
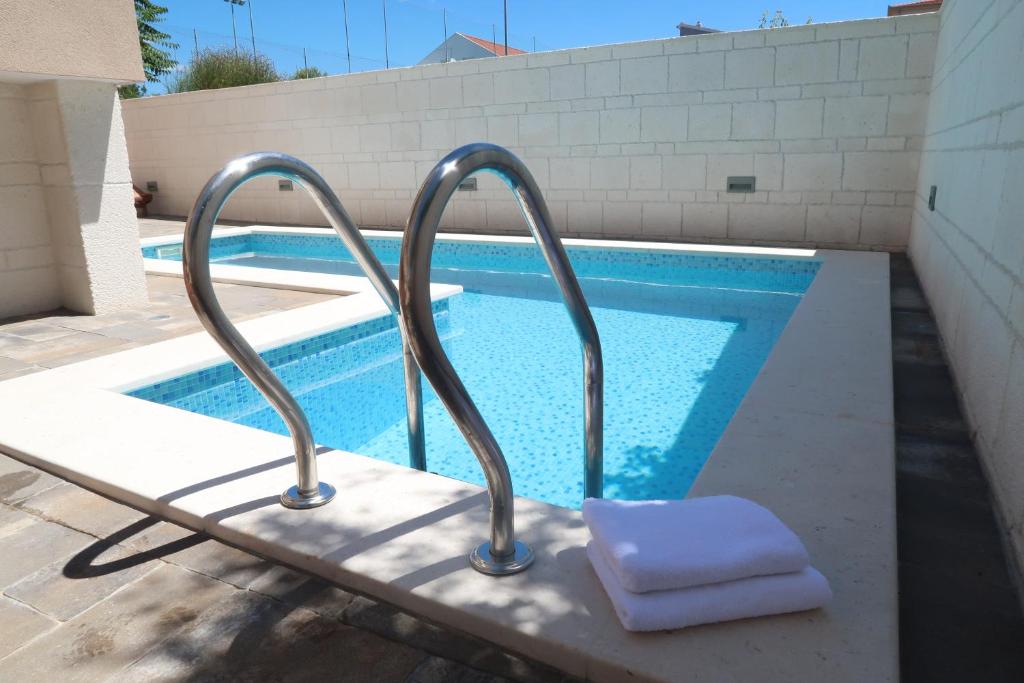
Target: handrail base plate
column 485, row 563
column 297, row 501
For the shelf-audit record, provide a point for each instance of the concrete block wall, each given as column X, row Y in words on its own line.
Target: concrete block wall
column 969, row 251
column 68, row 234
column 627, row 141
column 28, row 276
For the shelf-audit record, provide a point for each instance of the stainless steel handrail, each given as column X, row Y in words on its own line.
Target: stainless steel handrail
column 502, row 554
column 309, row 492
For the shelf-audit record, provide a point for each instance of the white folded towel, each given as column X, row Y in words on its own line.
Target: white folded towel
column 668, row 544
column 711, row 603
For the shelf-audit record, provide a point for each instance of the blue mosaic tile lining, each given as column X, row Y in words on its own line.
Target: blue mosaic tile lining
column 683, row 337
column 309, row 252
column 382, row 331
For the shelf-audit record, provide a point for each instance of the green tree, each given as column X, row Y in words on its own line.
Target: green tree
column 210, row 69
column 155, row 61
column 308, row 72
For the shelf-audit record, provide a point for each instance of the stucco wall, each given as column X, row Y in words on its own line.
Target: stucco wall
column 68, row 234
column 632, row 140
column 969, row 251
column 95, row 39
column 28, row 277
column 80, row 145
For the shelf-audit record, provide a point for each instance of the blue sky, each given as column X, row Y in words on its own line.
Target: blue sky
column 415, row 27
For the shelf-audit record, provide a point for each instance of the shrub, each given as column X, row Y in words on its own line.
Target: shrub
column 223, row 68
column 131, row 91
column 308, row 72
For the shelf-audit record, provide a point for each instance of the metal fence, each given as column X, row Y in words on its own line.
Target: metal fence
column 405, row 22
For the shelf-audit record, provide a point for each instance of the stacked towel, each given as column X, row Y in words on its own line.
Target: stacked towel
column 671, row 564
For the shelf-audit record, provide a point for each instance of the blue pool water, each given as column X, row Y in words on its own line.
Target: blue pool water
column 683, row 338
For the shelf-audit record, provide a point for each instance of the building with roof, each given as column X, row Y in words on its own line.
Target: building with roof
column 460, row 46
column 920, row 7
column 694, row 29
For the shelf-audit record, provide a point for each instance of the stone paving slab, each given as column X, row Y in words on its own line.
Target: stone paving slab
column 66, row 588
column 82, row 510
column 32, row 343
column 19, row 624
column 34, row 546
column 301, row 590
column 98, row 591
column 18, row 483
column 9, row 365
column 438, row 670
column 230, row 565
column 251, row 637
column 12, row 521
column 118, row 631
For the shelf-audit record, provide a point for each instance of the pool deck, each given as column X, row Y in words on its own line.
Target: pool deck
column 94, row 591
column 813, row 441
column 76, row 602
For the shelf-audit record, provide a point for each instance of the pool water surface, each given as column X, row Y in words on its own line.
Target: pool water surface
column 683, row 337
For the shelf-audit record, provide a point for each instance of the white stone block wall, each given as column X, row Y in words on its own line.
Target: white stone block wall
column 969, row 251
column 28, row 275
column 68, row 233
column 627, row 141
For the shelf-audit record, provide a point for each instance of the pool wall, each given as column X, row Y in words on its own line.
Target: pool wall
column 812, row 440
column 161, row 256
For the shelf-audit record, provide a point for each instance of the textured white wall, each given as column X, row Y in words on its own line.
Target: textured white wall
column 92, row 39
column 28, row 277
column 969, row 252
column 68, row 233
column 628, row 141
column 80, row 142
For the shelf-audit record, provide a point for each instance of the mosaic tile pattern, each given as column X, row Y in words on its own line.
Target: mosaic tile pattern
column 220, row 248
column 681, row 349
column 326, row 253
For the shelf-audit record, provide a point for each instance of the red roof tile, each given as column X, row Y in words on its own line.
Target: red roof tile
column 493, row 48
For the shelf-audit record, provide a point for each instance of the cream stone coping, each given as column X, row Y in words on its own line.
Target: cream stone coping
column 325, row 283
column 812, row 440
column 702, row 249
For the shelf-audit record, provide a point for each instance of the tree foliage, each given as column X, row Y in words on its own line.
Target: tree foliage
column 155, row 61
column 775, row 21
column 778, row 20
column 214, row 68
column 308, row 72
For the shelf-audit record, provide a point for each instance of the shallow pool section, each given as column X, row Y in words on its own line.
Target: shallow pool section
column 683, row 336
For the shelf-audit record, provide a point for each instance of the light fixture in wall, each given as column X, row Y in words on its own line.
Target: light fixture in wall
column 151, row 186
column 468, row 185
column 740, row 183
column 284, row 185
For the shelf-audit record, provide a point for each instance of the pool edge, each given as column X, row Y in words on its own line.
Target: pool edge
column 573, row 627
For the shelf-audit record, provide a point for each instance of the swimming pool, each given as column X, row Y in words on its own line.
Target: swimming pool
column 683, row 335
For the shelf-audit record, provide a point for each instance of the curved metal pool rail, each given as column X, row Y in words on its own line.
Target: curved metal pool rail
column 309, row 492
column 502, row 554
